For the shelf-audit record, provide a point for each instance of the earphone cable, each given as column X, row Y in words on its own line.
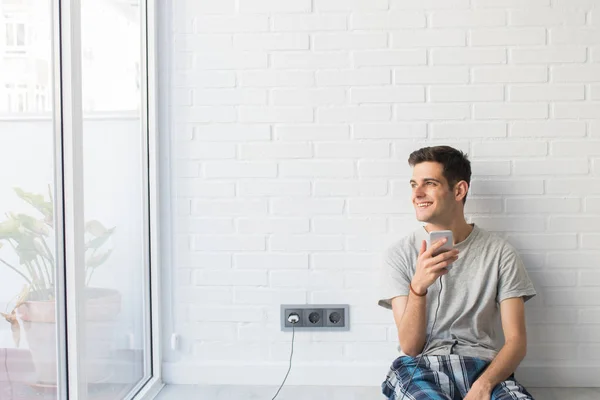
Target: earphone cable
column 427, row 343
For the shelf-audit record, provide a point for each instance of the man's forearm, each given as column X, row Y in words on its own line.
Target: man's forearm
column 411, row 332
column 503, row 365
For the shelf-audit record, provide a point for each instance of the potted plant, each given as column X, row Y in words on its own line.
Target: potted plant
column 30, row 238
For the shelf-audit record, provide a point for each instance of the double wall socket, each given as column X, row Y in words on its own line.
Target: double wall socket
column 323, row 317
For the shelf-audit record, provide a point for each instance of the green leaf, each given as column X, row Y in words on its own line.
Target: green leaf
column 37, row 201
column 98, row 259
column 9, row 228
column 26, row 250
column 100, row 240
column 33, row 224
column 95, row 228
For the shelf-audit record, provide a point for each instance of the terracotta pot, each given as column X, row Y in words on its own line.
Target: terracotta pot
column 102, row 307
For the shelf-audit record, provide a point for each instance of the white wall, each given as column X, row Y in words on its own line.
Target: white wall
column 291, row 124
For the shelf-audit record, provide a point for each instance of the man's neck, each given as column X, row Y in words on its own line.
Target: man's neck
column 460, row 229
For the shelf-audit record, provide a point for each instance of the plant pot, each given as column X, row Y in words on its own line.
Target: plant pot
column 102, row 307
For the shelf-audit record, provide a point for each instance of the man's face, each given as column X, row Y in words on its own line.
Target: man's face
column 431, row 195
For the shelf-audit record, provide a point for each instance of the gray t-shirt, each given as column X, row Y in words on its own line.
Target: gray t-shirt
column 488, row 271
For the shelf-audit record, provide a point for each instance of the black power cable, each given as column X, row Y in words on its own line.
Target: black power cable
column 293, row 319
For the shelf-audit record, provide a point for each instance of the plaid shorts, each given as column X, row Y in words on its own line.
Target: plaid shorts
column 447, row 377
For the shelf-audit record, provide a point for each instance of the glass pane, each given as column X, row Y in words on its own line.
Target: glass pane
column 115, row 325
column 20, row 34
column 10, row 34
column 27, row 233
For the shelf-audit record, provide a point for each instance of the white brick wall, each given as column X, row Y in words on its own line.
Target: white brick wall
column 291, row 121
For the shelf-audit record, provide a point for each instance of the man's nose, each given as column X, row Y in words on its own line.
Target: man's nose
column 418, row 191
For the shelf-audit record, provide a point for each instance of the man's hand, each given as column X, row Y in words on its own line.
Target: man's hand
column 429, row 268
column 478, row 392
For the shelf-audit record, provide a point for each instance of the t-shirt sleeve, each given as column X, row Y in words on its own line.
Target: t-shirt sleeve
column 394, row 277
column 514, row 280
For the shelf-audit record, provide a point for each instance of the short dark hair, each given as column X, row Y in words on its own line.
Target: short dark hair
column 456, row 165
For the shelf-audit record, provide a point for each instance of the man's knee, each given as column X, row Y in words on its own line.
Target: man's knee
column 509, row 390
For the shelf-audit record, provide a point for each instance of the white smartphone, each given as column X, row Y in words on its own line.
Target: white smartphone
column 434, row 236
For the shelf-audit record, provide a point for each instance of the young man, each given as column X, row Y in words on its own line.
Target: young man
column 465, row 358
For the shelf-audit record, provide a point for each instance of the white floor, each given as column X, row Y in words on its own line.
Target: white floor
column 192, row 392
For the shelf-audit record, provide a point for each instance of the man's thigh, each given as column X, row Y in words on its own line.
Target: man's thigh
column 426, row 384
column 510, row 389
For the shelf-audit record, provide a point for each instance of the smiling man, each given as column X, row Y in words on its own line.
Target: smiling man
column 447, row 320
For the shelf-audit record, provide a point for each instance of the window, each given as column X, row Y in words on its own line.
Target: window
column 41, row 95
column 16, row 97
column 77, row 203
column 16, row 39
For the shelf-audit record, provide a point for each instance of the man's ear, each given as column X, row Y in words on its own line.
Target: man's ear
column 460, row 190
